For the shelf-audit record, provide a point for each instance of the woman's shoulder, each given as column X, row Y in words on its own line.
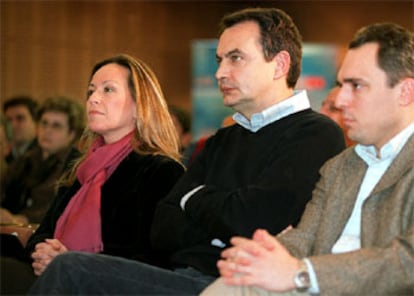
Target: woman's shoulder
column 152, row 160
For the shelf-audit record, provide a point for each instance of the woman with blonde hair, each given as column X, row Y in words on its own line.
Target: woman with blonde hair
column 130, row 161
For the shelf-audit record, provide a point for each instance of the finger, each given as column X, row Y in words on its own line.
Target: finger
column 223, row 270
column 250, row 246
column 228, row 253
column 54, row 243
column 39, row 271
column 40, row 246
column 37, row 266
column 38, row 255
column 265, row 239
column 238, row 240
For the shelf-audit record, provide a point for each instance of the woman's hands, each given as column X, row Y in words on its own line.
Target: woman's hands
column 44, row 254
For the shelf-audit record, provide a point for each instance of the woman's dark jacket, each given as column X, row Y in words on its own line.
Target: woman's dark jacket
column 128, row 201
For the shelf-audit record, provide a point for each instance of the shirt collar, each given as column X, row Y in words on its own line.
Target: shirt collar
column 298, row 102
column 387, row 152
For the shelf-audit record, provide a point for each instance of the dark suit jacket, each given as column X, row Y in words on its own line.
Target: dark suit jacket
column 385, row 262
column 128, row 202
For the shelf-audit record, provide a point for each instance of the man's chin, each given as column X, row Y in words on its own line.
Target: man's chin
column 229, row 103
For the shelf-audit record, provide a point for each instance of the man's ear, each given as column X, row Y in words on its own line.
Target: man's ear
column 282, row 60
column 407, row 92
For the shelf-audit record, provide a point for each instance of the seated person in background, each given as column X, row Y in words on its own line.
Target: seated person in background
column 20, row 113
column 182, row 122
column 330, row 109
column 107, row 201
column 29, row 184
column 4, row 147
column 356, row 236
column 259, row 172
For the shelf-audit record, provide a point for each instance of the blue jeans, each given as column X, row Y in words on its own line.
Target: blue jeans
column 75, row 273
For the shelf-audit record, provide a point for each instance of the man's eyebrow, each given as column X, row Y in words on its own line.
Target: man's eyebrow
column 227, row 54
column 231, row 52
column 349, row 80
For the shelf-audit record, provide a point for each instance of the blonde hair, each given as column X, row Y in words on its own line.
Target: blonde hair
column 155, row 133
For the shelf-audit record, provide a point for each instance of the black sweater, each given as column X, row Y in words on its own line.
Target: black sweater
column 252, row 180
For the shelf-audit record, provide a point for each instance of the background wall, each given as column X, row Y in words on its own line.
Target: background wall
column 49, row 47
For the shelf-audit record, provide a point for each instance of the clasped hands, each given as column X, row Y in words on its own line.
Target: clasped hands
column 44, row 254
column 261, row 261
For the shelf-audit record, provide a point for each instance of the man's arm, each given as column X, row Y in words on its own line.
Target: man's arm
column 273, row 198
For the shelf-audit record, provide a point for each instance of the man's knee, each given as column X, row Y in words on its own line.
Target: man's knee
column 218, row 287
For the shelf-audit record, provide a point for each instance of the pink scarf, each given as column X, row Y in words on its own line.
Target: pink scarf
column 79, row 227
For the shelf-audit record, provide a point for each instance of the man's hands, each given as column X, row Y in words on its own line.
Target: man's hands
column 44, row 254
column 261, row 261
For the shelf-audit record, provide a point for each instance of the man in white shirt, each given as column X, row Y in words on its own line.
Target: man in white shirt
column 356, row 236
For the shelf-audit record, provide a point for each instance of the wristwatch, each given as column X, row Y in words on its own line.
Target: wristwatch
column 302, row 279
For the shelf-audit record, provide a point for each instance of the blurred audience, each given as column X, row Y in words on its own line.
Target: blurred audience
column 4, row 147
column 182, row 122
column 20, row 114
column 29, row 184
column 330, row 109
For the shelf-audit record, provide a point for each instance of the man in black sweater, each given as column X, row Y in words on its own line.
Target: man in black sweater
column 259, row 172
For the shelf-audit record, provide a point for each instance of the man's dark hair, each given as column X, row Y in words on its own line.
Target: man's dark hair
column 26, row 101
column 277, row 32
column 396, row 49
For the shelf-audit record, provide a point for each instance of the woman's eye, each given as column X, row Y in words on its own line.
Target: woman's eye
column 108, row 89
column 89, row 93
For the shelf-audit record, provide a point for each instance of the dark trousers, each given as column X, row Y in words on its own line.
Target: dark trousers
column 75, row 273
column 16, row 276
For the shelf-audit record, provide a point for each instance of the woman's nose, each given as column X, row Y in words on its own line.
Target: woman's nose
column 93, row 98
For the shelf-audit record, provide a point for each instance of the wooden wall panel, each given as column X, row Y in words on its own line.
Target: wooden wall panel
column 49, row 47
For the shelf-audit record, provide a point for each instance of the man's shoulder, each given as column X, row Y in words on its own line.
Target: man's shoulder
column 347, row 157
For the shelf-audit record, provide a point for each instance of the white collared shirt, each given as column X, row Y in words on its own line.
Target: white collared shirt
column 298, row 102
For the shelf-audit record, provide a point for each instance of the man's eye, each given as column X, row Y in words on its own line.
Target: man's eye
column 356, row 86
column 334, row 109
column 235, row 58
column 20, row 118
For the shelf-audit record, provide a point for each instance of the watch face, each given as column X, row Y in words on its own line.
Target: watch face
column 302, row 280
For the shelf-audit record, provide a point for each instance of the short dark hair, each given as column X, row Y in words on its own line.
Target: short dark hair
column 396, row 49
column 26, row 101
column 277, row 32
